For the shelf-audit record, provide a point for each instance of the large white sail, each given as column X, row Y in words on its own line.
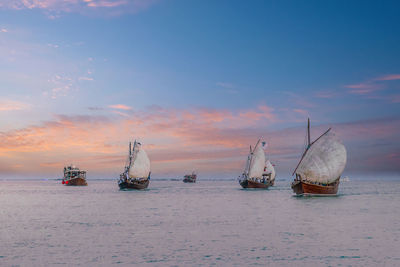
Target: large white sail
column 270, row 169
column 257, row 163
column 140, row 165
column 324, row 161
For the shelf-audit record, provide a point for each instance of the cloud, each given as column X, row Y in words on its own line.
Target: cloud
column 3, row 30
column 390, row 77
column 325, row 94
column 120, row 106
column 86, row 79
column 225, row 85
column 168, row 134
column 364, row 88
column 10, row 105
column 213, row 141
column 54, row 8
column 371, row 86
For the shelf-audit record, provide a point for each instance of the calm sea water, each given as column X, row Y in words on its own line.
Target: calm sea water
column 208, row 223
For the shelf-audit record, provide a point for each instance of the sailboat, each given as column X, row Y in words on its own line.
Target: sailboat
column 136, row 174
column 255, row 174
column 190, row 178
column 269, row 171
column 321, row 165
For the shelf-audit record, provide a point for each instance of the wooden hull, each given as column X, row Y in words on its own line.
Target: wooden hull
column 76, row 182
column 253, row 184
column 138, row 185
column 306, row 188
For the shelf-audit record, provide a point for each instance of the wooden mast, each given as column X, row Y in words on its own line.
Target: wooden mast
column 308, row 133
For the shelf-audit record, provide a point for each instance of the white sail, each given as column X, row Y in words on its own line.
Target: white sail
column 270, row 169
column 257, row 163
column 140, row 165
column 324, row 161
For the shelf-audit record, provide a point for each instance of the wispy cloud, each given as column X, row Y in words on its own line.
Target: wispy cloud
column 10, row 105
column 371, row 86
column 225, row 85
column 54, row 8
column 86, row 79
column 325, row 94
column 120, row 106
column 3, row 30
column 390, row 77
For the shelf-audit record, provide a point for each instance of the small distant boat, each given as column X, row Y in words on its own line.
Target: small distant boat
column 321, row 165
column 74, row 176
column 256, row 173
column 137, row 169
column 190, row 178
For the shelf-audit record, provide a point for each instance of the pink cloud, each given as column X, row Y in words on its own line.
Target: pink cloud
column 10, row 105
column 120, row 106
column 55, row 7
column 325, row 94
column 174, row 134
column 209, row 140
column 373, row 85
column 364, row 88
column 389, row 77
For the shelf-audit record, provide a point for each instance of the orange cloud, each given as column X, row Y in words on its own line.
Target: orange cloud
column 9, row 105
column 168, row 134
column 208, row 140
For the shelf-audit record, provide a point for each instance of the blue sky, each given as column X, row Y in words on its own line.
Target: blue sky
column 274, row 63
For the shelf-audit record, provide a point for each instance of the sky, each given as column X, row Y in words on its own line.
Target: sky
column 197, row 82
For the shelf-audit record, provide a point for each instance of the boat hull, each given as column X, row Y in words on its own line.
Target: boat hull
column 253, row 184
column 308, row 189
column 138, row 185
column 76, row 182
column 189, row 178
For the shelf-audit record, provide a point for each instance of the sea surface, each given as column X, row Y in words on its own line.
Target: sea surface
column 210, row 223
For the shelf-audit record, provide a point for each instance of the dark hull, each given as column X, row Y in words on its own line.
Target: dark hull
column 189, row 180
column 306, row 188
column 76, row 182
column 252, row 184
column 134, row 185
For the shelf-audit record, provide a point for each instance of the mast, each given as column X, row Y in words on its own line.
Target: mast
column 130, row 157
column 308, row 133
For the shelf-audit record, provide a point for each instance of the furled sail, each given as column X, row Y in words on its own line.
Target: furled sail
column 324, row 161
column 140, row 165
column 257, row 163
column 270, row 169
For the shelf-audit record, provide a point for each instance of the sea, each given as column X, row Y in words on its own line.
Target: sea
column 209, row 223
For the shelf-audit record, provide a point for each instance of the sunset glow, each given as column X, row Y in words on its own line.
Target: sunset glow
column 80, row 79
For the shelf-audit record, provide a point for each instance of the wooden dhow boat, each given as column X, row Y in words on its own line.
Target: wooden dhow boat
column 74, row 176
column 190, row 178
column 269, row 172
column 255, row 174
column 321, row 165
column 137, row 169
